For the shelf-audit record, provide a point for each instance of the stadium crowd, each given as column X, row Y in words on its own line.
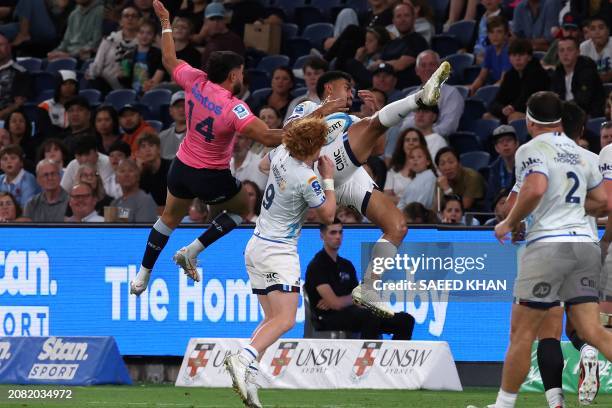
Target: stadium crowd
column 91, row 120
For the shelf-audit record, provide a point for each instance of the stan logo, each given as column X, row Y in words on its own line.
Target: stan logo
column 541, row 290
column 365, row 359
column 282, row 357
column 198, row 358
column 240, row 111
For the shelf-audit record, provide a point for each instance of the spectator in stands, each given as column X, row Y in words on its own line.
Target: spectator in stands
column 451, row 102
column 172, row 137
column 377, row 169
column 83, row 33
column 154, row 169
column 313, row 68
column 501, row 173
column 279, row 97
column 417, row 213
column 220, row 38
column 456, row 179
column 82, row 204
column 423, row 179
column 51, row 203
column 134, row 205
column 10, row 210
column 87, row 173
column 453, row 211
column 376, row 39
column 53, row 149
column 348, row 215
column 492, row 9
column 198, row 212
column 399, row 166
column 193, row 11
column 496, row 60
column 5, row 138
column 33, row 24
column 146, row 70
column 133, row 126
column 106, row 125
column 384, row 78
column 254, row 197
column 455, row 10
column 581, row 74
column 106, row 70
column 499, row 206
column 525, row 78
column 537, row 21
column 271, row 117
column 67, row 89
column 424, row 23
column 79, row 121
column 329, row 282
column 182, row 29
column 244, row 164
column 117, row 152
column 605, row 134
column 145, row 7
column 569, row 28
column 424, row 120
column 407, row 140
column 86, row 152
column 20, row 131
column 599, row 47
column 14, row 81
column 15, row 180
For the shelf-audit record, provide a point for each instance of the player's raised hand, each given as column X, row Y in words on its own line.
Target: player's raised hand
column 330, row 106
column 326, row 167
column 161, row 11
column 369, row 100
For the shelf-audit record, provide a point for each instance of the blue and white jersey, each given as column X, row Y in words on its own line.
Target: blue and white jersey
column 292, row 187
column 560, row 214
column 337, row 123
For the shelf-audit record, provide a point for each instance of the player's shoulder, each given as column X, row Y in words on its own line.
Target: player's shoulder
column 588, row 155
column 606, row 152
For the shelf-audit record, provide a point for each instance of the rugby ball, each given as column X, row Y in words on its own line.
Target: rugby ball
column 338, row 124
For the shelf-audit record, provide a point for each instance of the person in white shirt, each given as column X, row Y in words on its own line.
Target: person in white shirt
column 424, row 120
column 86, row 152
column 599, row 47
column 313, row 68
column 172, row 137
column 423, row 179
column 244, row 164
column 82, row 203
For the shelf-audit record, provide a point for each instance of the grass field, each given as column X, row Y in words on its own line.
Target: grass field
column 173, row 397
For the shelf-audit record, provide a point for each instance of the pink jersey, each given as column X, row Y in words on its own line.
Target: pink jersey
column 213, row 117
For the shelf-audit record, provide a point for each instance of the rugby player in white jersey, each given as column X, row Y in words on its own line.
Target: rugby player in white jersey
column 561, row 261
column 354, row 187
column 271, row 256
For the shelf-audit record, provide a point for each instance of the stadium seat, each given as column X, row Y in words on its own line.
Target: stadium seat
column 31, row 64
column 317, row 33
column 120, row 97
column 311, row 324
column 156, row 124
column 44, row 95
column 299, row 91
column 289, row 30
column 463, row 31
column 257, row 98
column 475, row 160
column 257, row 79
column 445, row 44
column 473, row 110
column 594, row 124
column 296, row 47
column 463, row 91
column 483, row 128
column 325, row 6
column 459, row 62
column 539, row 55
column 487, row 93
column 520, row 125
column 271, row 62
column 155, row 98
column 300, row 62
column 439, row 7
column 464, row 142
column 62, row 63
column 93, row 95
column 471, row 73
column 144, row 111
column 44, row 80
column 305, row 16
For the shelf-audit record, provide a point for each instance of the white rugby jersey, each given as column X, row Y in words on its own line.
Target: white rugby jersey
column 307, row 107
column 292, row 187
column 571, row 173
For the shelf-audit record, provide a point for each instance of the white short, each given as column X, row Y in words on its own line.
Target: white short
column 341, row 154
column 272, row 265
column 606, row 278
column 356, row 191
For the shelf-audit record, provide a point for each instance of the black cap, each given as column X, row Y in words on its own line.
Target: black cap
column 384, row 67
column 121, row 146
column 569, row 21
column 78, row 100
column 128, row 107
column 428, row 108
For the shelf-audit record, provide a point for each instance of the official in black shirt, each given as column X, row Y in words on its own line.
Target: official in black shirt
column 329, row 282
column 153, row 179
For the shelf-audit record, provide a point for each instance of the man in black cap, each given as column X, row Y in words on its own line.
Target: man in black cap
column 569, row 28
column 133, row 126
column 501, row 175
column 384, row 78
column 78, row 111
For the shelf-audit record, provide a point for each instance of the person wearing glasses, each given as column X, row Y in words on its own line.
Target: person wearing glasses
column 83, row 204
column 50, row 204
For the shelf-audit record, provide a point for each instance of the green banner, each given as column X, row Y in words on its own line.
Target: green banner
column 533, row 383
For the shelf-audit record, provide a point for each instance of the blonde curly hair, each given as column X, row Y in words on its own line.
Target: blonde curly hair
column 305, row 137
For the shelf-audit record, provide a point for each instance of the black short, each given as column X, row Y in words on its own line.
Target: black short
column 211, row 186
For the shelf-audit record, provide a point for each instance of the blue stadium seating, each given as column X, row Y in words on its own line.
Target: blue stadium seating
column 473, row 110
column 487, row 93
column 299, row 91
column 44, row 95
column 257, row 79
column 155, row 99
column 62, row 63
column 296, row 47
column 317, row 33
column 475, row 160
column 257, row 97
column 520, row 125
column 463, row 91
column 607, row 88
column 463, row 31
column 445, row 45
column 464, row 142
column 156, row 124
column 93, row 95
column 31, row 64
column 483, row 128
column 120, row 97
column 471, row 73
column 289, row 30
column 305, row 16
column 299, row 63
column 271, row 62
column 459, row 62
column 539, row 55
column 594, row 124
column 44, row 80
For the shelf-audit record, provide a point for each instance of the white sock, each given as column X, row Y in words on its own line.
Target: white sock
column 555, row 398
column 194, row 249
column 505, row 399
column 249, row 353
column 393, row 113
column 382, row 249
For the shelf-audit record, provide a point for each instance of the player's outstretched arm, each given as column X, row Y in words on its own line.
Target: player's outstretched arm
column 327, row 211
column 167, row 42
column 596, row 203
column 260, row 132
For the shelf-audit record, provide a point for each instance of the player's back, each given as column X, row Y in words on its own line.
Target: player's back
column 292, row 187
column 560, row 213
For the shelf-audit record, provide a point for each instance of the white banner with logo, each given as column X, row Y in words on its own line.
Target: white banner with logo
column 328, row 364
